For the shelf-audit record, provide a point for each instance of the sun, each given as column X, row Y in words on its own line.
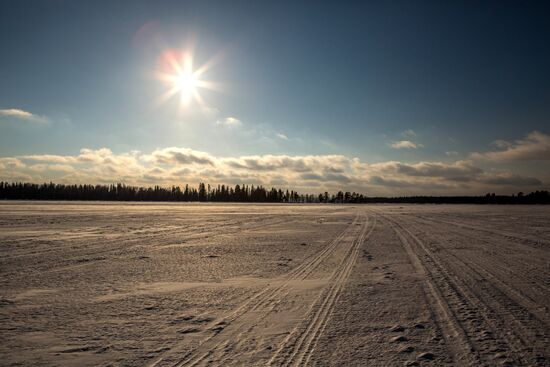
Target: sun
column 177, row 72
column 187, row 82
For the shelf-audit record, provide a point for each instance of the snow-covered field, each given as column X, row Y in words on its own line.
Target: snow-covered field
column 138, row 284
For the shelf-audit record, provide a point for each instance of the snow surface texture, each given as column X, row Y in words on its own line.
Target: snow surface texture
column 149, row 284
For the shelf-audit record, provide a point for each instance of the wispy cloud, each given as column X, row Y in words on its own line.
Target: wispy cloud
column 510, row 179
column 281, row 136
column 16, row 113
column 408, row 133
column 229, row 122
column 534, row 147
column 457, row 171
column 405, row 144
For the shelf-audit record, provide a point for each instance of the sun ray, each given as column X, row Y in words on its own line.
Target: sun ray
column 199, row 99
column 165, row 96
column 209, row 64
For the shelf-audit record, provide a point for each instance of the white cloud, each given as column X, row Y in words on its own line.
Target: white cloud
column 534, row 147
column 51, row 168
column 281, row 136
column 11, row 163
column 306, row 173
column 180, row 156
column 229, row 122
column 49, row 158
column 405, row 144
column 19, row 114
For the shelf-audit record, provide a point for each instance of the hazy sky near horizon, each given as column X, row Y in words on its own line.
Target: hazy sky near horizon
column 382, row 97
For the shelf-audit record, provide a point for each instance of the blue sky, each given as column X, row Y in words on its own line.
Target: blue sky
column 405, row 82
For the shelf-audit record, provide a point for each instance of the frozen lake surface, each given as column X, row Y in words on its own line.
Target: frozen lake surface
column 166, row 284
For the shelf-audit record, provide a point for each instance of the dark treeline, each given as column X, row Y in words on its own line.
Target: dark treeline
column 237, row 193
column 121, row 192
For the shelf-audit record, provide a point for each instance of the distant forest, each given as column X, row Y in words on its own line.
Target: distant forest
column 237, row 193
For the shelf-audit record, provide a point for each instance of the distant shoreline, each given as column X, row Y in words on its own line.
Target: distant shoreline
column 237, row 194
column 66, row 201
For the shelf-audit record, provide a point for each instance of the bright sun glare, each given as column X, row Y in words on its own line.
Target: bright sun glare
column 181, row 78
column 186, row 82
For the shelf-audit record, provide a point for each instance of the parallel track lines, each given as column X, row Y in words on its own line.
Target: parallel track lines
column 530, row 309
column 498, row 311
column 525, row 240
column 537, row 280
column 457, row 340
column 299, row 345
column 268, row 296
